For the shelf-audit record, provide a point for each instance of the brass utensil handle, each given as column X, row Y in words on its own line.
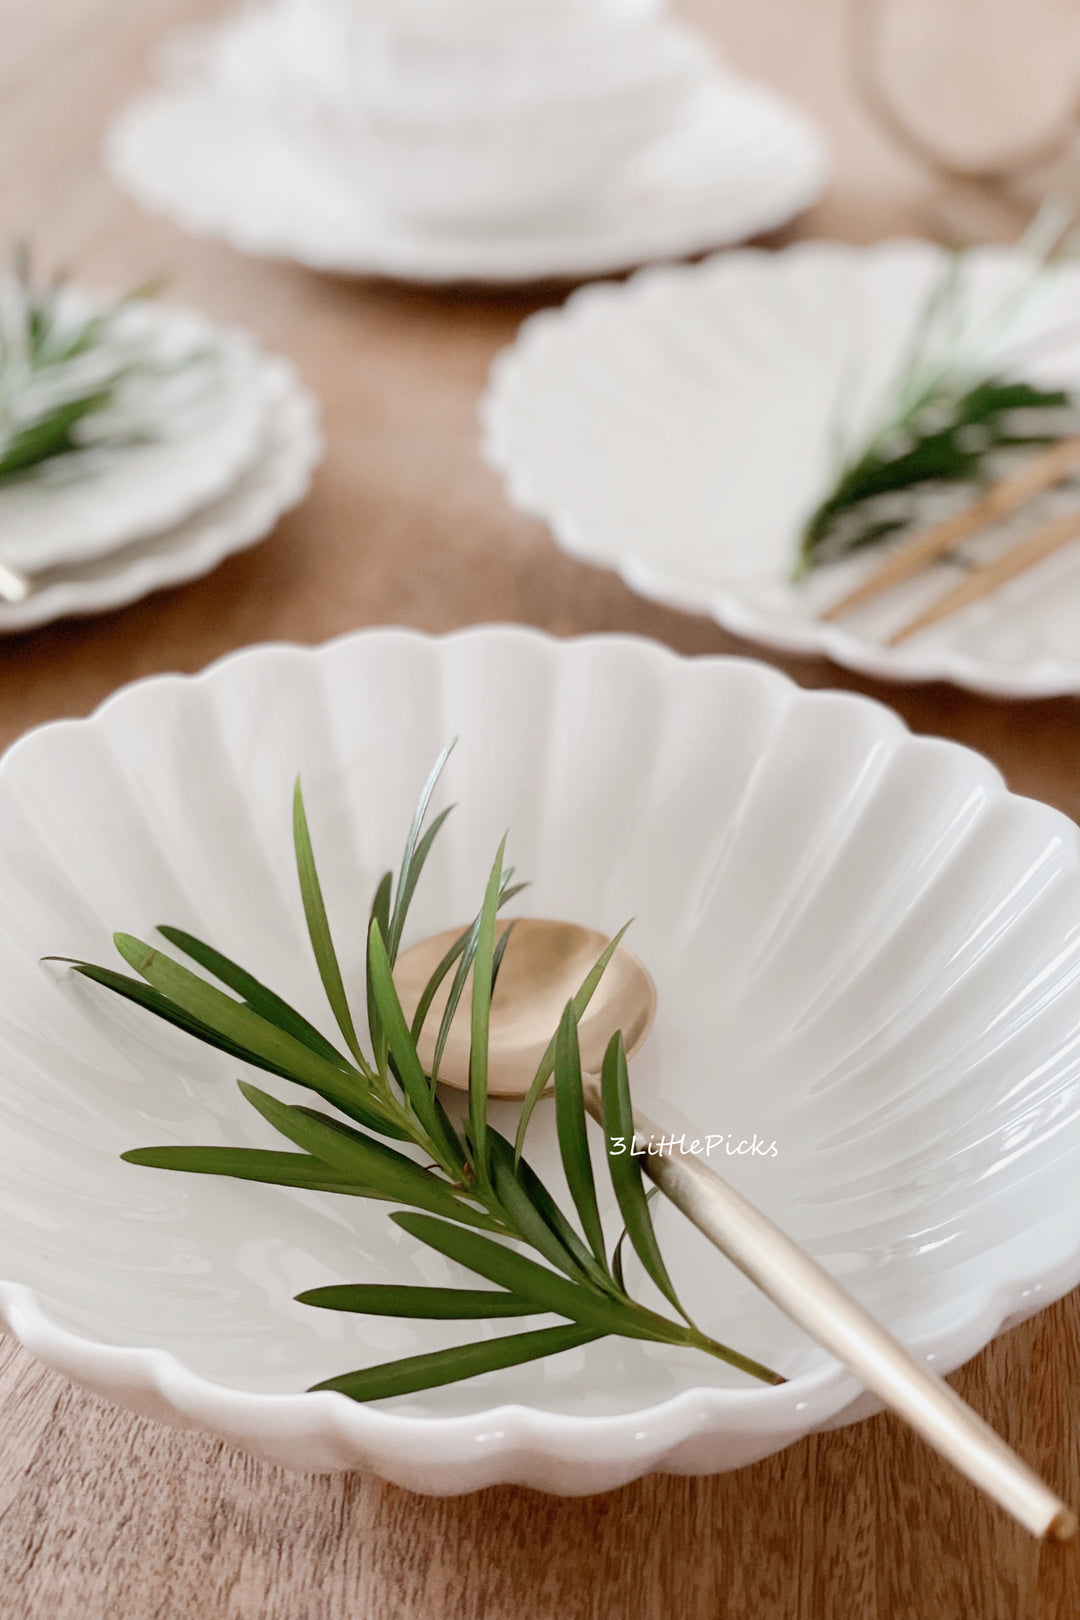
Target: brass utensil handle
column 806, row 1293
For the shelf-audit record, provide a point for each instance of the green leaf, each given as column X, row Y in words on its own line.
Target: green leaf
column 617, row 1253
column 416, row 866
column 256, row 995
column 51, row 436
column 250, row 1033
column 319, row 927
column 625, row 1169
column 483, row 967
column 500, row 951
column 548, row 1210
column 142, row 995
column 366, row 1160
column 450, row 1366
column 547, row 1062
column 423, row 1006
column 443, row 1304
column 252, row 1164
column 380, row 913
column 940, row 454
column 402, row 1048
column 518, row 1200
column 465, row 962
column 412, row 861
column 572, row 1133
column 522, row 1276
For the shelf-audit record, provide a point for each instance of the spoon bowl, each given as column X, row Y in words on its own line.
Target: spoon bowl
column 543, row 966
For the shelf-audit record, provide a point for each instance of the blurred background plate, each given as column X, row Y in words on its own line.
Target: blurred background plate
column 288, row 449
column 680, row 428
column 197, row 426
column 740, row 161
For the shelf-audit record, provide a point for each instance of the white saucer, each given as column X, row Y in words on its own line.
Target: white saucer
column 741, row 162
column 278, row 477
column 680, row 427
column 203, row 410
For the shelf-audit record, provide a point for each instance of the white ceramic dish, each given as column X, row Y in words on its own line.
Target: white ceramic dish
column 679, row 428
column 203, row 412
column 865, row 948
column 278, row 478
column 450, row 126
column 740, row 162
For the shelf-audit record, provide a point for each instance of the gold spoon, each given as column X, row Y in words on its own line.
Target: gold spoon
column 542, row 968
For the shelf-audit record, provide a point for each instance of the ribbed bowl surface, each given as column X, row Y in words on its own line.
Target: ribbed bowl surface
column 866, row 951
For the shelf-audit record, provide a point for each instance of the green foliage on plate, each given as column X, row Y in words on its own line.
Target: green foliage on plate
column 474, row 1199
column 58, row 370
column 951, row 411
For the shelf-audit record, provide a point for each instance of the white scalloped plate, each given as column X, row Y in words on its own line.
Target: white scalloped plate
column 287, row 453
column 743, row 161
column 865, row 949
column 678, row 427
column 206, row 430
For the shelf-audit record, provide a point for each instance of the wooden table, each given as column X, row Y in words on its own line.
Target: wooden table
column 106, row 1517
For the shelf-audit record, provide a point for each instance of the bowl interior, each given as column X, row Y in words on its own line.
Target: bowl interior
column 865, row 952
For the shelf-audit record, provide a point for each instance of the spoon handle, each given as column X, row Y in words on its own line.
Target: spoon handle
column 806, row 1293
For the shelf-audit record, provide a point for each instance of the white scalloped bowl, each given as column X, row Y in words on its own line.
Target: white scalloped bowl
column 866, row 950
column 680, row 427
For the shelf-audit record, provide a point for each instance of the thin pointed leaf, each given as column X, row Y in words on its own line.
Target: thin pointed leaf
column 625, row 1170
column 247, row 1031
column 319, row 927
column 457, row 988
column 252, row 1164
column 416, row 867
column 368, row 1161
column 572, row 1133
column 406, row 881
column 525, row 1219
column 500, row 951
column 547, row 1062
column 347, row 1130
column 437, row 1367
column 143, row 995
column 502, row 1153
column 617, row 1253
column 453, row 999
column 549, row 1289
column 380, row 913
column 256, row 995
column 402, row 1048
column 423, row 1006
column 481, row 1018
column 431, row 1304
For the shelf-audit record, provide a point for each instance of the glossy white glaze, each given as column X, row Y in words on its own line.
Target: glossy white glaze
column 865, row 948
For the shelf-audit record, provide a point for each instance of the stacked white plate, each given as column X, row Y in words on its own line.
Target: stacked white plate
column 204, row 448
column 474, row 140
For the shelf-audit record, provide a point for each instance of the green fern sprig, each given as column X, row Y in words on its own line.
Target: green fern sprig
column 474, row 1199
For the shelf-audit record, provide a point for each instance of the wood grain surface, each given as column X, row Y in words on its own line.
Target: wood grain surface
column 104, row 1516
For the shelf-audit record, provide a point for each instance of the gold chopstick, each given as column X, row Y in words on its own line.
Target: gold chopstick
column 1040, row 472
column 1042, row 542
